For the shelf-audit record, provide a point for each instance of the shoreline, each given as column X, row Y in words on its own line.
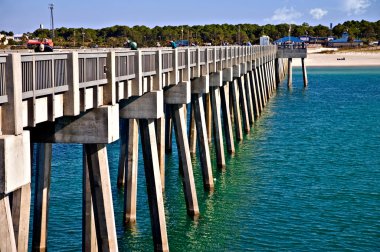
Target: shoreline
column 351, row 59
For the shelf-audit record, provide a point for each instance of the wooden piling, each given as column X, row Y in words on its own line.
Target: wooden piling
column 200, row 122
column 184, row 155
column 228, row 132
column 153, row 183
column 41, row 196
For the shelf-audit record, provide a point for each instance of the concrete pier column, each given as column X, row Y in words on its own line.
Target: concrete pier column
column 89, row 241
column 258, row 90
column 160, row 129
column 208, row 114
column 122, row 154
column 255, row 102
column 41, row 196
column 304, row 73
column 97, row 161
column 225, row 102
column 21, row 216
column 130, row 187
column 262, row 87
column 290, row 72
column 192, row 132
column 168, row 129
column 179, row 96
column 200, row 122
column 7, row 241
column 184, row 155
column 248, row 89
column 277, row 70
column 243, row 104
column 153, row 183
column 217, row 123
column 234, row 91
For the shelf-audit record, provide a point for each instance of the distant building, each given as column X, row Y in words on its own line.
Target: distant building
column 345, row 41
column 5, row 38
column 182, row 42
column 288, row 40
column 264, row 40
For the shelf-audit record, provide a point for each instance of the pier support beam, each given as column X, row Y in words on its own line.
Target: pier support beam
column 160, row 129
column 130, row 186
column 290, row 72
column 89, row 241
column 20, row 216
column 248, row 89
column 192, row 132
column 304, row 73
column 179, row 96
column 258, row 90
column 255, row 102
column 41, row 197
column 187, row 167
column 96, row 155
column 225, row 100
column 243, row 103
column 200, row 122
column 217, row 123
column 168, row 129
column 200, row 86
column 216, row 81
column 7, row 241
column 236, row 110
column 153, row 183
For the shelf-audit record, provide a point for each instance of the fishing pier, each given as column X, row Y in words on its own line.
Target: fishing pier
column 96, row 97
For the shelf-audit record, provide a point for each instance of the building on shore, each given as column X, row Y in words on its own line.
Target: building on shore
column 345, row 41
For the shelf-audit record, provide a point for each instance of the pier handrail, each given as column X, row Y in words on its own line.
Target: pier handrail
column 3, row 87
column 43, row 74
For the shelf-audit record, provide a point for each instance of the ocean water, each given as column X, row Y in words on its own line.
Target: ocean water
column 307, row 178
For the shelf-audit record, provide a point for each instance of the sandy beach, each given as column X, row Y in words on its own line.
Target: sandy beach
column 335, row 59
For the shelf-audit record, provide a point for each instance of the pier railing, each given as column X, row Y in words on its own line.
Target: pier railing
column 3, row 91
column 51, row 74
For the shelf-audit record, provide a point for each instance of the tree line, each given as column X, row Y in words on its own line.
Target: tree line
column 216, row 34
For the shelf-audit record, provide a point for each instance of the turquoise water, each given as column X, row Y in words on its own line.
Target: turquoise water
column 306, row 178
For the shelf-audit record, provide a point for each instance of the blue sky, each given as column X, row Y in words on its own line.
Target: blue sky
column 25, row 15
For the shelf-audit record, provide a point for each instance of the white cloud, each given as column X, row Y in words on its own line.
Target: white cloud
column 318, row 13
column 356, row 6
column 285, row 14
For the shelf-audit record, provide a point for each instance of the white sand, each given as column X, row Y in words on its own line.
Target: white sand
column 351, row 59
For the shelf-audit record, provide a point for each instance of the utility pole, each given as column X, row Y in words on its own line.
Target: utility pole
column 51, row 7
column 182, row 34
column 82, row 37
